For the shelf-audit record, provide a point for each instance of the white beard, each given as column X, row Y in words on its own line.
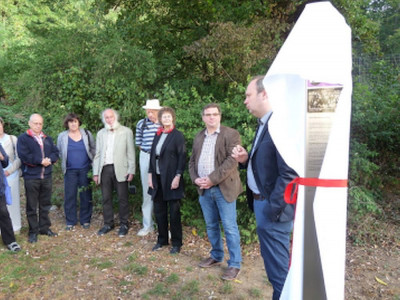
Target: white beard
column 114, row 126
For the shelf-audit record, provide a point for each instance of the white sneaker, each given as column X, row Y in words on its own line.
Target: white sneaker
column 144, row 232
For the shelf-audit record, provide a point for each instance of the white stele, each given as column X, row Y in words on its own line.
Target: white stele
column 317, row 49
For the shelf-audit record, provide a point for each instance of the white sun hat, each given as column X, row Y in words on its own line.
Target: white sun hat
column 152, row 104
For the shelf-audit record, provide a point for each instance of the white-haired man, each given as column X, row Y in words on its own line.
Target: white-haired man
column 114, row 167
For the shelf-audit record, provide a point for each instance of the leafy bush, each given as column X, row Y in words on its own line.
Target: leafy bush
column 375, row 143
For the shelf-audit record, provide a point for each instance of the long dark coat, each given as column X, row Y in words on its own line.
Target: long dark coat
column 172, row 161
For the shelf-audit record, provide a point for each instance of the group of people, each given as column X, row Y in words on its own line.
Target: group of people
column 213, row 168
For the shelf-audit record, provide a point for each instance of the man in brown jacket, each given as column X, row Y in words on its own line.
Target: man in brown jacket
column 215, row 173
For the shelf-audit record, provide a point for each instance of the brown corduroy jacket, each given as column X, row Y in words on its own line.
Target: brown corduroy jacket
column 225, row 174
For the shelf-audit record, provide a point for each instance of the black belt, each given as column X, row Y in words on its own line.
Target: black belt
column 148, row 152
column 257, row 196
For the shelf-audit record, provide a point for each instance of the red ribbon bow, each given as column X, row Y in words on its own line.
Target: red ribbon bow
column 291, row 196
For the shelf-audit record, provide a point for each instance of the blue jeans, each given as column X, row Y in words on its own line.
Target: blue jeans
column 274, row 240
column 216, row 208
column 74, row 180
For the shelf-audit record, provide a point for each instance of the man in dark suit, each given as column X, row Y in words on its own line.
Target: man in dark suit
column 267, row 178
column 215, row 173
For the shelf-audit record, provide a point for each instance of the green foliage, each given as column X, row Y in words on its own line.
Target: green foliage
column 387, row 13
column 375, row 115
column 83, row 56
column 364, row 184
column 364, row 29
column 15, row 122
column 375, row 146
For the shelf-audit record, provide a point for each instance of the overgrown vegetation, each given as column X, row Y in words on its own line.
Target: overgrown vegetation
column 85, row 55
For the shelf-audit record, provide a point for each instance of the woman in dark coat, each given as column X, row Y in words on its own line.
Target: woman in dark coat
column 167, row 163
column 6, row 229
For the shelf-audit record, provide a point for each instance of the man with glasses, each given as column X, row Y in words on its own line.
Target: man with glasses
column 215, row 173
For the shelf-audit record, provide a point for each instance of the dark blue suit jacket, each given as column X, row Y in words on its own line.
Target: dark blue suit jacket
column 31, row 156
column 272, row 175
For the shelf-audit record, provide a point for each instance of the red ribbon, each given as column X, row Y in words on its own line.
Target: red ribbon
column 291, row 196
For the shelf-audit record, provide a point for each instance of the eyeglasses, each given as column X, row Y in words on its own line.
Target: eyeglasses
column 214, row 115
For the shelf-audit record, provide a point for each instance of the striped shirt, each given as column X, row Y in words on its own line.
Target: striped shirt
column 145, row 134
column 206, row 163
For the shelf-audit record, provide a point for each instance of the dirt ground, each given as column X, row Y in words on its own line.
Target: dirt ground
column 81, row 265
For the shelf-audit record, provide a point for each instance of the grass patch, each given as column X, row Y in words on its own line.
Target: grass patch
column 96, row 262
column 211, row 277
column 192, row 287
column 136, row 268
column 161, row 271
column 173, row 278
column 128, row 244
column 125, row 283
column 255, row 293
column 132, row 257
column 159, row 290
column 227, row 288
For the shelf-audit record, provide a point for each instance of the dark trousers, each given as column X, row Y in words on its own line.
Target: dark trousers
column 161, row 214
column 108, row 184
column 38, row 194
column 7, row 233
column 74, row 180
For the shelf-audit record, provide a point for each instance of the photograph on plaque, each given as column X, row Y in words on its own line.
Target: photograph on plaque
column 322, row 97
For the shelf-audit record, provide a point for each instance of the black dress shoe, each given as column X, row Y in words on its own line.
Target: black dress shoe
column 32, row 238
column 157, row 247
column 49, row 233
column 123, row 230
column 175, row 250
column 105, row 229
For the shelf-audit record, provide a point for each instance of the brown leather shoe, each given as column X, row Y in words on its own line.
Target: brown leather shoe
column 209, row 262
column 230, row 273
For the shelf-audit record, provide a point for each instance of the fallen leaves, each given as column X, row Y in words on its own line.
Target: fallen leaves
column 380, row 281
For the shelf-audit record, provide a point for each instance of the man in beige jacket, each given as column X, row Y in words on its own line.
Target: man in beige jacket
column 114, row 167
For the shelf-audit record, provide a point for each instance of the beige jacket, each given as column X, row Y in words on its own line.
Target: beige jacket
column 124, row 153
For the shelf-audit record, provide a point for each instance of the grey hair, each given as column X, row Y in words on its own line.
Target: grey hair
column 34, row 115
column 259, row 83
column 116, row 114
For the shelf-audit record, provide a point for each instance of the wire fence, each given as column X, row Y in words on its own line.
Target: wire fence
column 362, row 65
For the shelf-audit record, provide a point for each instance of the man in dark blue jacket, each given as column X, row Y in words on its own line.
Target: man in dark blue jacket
column 267, row 178
column 37, row 153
